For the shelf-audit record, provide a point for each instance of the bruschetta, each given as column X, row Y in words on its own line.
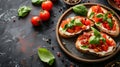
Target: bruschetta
column 95, row 10
column 74, row 25
column 104, row 20
column 98, row 44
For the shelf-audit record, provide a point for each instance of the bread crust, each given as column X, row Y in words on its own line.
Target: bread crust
column 78, row 45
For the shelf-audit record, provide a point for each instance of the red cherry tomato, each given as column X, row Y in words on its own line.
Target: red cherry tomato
column 44, row 15
column 36, row 21
column 47, row 5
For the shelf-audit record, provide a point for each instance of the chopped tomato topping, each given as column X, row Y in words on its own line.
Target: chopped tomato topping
column 106, row 25
column 97, row 9
column 105, row 47
column 83, row 21
column 70, row 30
column 109, row 15
column 114, row 27
column 64, row 22
column 77, row 28
column 97, row 19
column 87, row 22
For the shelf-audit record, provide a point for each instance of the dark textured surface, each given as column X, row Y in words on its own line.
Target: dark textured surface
column 19, row 40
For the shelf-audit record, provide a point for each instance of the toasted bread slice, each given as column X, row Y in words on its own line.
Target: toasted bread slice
column 112, row 31
column 74, row 25
column 100, row 50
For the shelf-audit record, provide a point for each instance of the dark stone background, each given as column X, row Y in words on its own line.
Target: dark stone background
column 19, row 40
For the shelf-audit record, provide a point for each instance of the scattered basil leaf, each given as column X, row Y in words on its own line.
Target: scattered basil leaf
column 103, row 39
column 65, row 27
column 109, row 20
column 80, row 10
column 91, row 15
column 46, row 56
column 99, row 16
column 105, row 16
column 84, row 47
column 94, row 40
column 78, row 22
column 37, row 2
column 23, row 11
column 96, row 32
column 98, row 23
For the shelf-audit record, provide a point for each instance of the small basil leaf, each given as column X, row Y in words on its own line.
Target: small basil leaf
column 96, row 32
column 23, row 11
column 98, row 23
column 103, row 39
column 99, row 16
column 80, row 9
column 91, row 15
column 110, row 22
column 78, row 22
column 65, row 27
column 105, row 16
column 70, row 25
column 46, row 56
column 84, row 47
column 37, row 2
column 94, row 40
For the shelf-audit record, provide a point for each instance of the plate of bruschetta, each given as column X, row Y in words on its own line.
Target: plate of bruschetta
column 89, row 32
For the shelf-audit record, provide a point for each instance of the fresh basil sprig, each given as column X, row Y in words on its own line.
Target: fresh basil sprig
column 46, row 56
column 23, row 11
column 37, row 2
column 91, row 15
column 80, row 10
column 74, row 22
column 95, row 39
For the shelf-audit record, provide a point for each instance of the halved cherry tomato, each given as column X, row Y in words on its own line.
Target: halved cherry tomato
column 83, row 21
column 44, row 15
column 47, row 5
column 109, row 15
column 36, row 21
column 64, row 22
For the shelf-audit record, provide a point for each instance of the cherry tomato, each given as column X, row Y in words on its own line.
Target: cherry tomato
column 47, row 5
column 36, row 21
column 106, row 25
column 44, row 15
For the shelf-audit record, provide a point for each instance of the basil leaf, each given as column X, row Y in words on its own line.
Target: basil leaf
column 91, row 15
column 98, row 23
column 84, row 47
column 96, row 32
column 23, row 11
column 105, row 16
column 65, row 27
column 94, row 40
column 80, row 10
column 37, row 2
column 78, row 22
column 110, row 22
column 103, row 39
column 46, row 56
column 99, row 16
